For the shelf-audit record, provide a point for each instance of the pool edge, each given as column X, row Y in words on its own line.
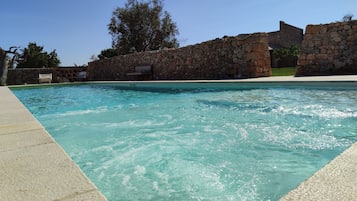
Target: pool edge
column 34, row 166
column 335, row 181
column 274, row 79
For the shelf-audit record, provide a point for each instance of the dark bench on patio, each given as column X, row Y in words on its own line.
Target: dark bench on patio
column 142, row 72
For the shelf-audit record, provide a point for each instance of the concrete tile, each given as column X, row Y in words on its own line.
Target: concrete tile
column 15, row 127
column 41, row 172
column 86, row 196
column 336, row 181
column 12, row 110
column 20, row 140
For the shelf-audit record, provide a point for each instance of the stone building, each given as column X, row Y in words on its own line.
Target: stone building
column 287, row 36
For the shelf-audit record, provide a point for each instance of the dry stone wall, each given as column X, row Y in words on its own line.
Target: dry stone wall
column 329, row 49
column 26, row 75
column 243, row 56
column 21, row 76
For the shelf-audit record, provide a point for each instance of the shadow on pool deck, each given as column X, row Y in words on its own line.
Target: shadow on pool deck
column 34, row 167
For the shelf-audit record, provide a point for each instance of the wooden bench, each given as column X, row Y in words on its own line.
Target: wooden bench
column 45, row 78
column 141, row 71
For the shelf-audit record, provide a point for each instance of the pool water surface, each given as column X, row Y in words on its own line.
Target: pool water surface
column 197, row 142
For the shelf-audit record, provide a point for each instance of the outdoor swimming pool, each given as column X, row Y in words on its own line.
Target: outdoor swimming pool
column 229, row 141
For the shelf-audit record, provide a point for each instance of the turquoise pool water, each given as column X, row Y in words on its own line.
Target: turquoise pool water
column 197, row 141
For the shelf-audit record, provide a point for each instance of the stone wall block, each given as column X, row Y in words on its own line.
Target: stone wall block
column 313, row 29
column 329, row 49
column 21, row 76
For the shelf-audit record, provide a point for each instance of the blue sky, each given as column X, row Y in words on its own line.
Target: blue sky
column 77, row 29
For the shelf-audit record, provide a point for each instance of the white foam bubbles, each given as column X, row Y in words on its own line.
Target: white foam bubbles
column 155, row 185
column 125, row 180
column 139, row 170
column 319, row 111
column 243, row 133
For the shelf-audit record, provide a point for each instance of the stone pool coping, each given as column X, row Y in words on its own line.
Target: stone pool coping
column 34, row 167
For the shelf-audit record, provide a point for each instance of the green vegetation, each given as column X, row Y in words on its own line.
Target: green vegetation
column 287, row 71
column 293, row 50
column 108, row 53
column 142, row 26
column 347, row 18
column 34, row 57
column 287, row 56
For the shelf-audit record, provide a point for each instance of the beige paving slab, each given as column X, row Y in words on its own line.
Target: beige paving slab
column 23, row 139
column 12, row 110
column 32, row 165
column 18, row 126
column 91, row 195
column 40, row 172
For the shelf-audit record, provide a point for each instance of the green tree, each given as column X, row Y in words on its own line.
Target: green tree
column 347, row 18
column 287, row 56
column 34, row 57
column 107, row 53
column 142, row 26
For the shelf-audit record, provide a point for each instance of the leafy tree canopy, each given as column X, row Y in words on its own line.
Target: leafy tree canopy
column 34, row 57
column 107, row 53
column 293, row 50
column 142, row 26
column 286, row 56
column 347, row 18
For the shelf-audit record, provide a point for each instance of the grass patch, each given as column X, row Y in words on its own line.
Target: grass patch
column 286, row 71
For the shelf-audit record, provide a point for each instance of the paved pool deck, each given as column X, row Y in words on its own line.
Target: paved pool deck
column 34, row 167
